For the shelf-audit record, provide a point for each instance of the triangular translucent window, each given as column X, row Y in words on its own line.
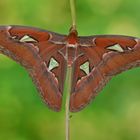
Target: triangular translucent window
column 85, row 67
column 53, row 64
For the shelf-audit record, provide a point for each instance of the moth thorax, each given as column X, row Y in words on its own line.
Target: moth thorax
column 71, row 53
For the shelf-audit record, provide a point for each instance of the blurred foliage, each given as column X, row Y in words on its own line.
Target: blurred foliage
column 114, row 114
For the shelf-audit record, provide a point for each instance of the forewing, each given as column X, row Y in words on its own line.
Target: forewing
column 37, row 50
column 107, row 56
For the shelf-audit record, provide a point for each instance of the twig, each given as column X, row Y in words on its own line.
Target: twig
column 68, row 91
column 73, row 13
column 69, row 76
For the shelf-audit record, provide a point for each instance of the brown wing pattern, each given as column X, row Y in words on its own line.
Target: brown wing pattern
column 33, row 48
column 108, row 55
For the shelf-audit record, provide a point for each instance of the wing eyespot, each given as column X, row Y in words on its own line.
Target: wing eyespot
column 24, row 39
column 27, row 38
column 85, row 67
column 130, row 49
column 85, row 70
column 52, row 64
column 116, row 47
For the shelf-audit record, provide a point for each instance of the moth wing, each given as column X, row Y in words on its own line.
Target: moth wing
column 107, row 56
column 35, row 49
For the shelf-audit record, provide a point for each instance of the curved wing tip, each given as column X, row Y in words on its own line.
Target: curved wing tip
column 77, row 109
column 53, row 108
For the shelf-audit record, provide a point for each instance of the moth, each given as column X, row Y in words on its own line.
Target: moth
column 46, row 55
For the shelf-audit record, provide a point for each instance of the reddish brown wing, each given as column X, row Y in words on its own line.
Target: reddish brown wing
column 35, row 49
column 107, row 55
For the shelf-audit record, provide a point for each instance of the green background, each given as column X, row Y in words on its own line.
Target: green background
column 114, row 114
